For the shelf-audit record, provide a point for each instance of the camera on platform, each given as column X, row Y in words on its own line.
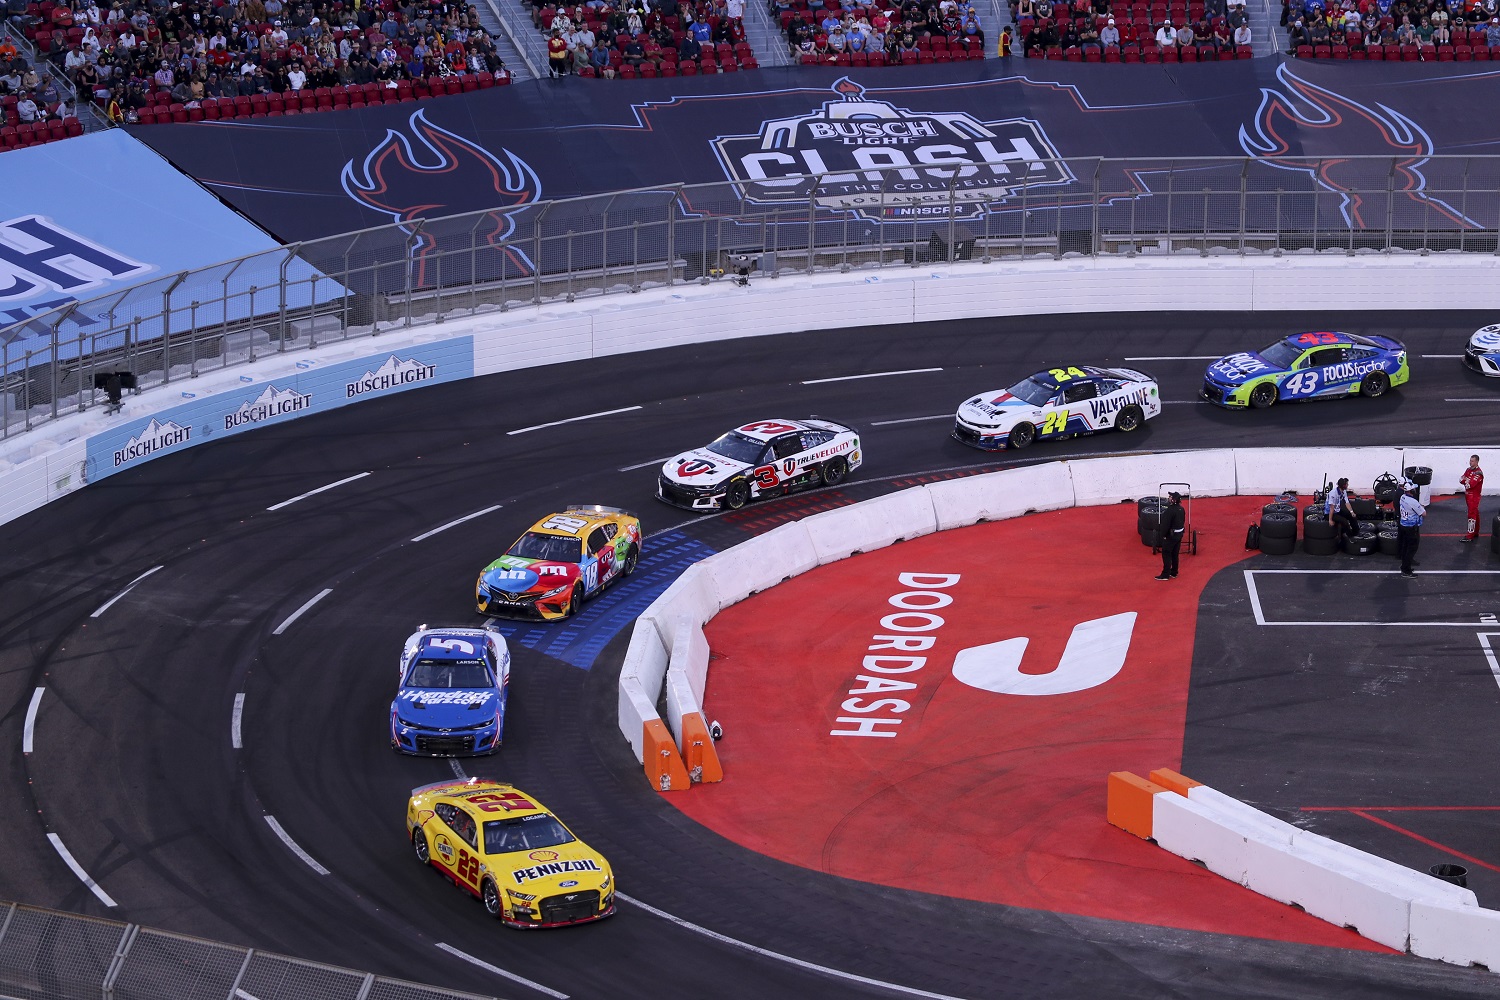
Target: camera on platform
column 114, row 385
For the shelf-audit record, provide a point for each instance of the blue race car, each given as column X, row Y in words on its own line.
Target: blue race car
column 1307, row 366
column 452, row 697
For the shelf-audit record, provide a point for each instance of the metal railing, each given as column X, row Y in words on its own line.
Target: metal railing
column 52, row 955
column 294, row 298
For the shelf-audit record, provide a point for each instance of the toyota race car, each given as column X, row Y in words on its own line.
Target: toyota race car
column 765, row 458
column 1483, row 351
column 1307, row 366
column 501, row 845
column 563, row 559
column 451, row 702
column 1058, row 402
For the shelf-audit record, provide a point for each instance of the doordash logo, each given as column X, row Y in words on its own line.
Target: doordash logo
column 1095, row 653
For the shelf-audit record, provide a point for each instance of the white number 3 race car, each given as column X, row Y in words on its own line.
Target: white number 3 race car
column 766, row 458
column 1059, row 402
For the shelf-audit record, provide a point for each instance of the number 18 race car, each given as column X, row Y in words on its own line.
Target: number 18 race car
column 1058, row 402
column 766, row 458
column 1307, row 366
column 451, row 702
column 501, row 845
column 562, row 560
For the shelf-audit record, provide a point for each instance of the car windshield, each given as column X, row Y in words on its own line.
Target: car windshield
column 551, row 548
column 524, row 833
column 1032, row 391
column 449, row 674
column 736, row 446
column 1281, row 354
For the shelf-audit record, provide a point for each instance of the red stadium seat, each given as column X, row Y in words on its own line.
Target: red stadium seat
column 73, row 126
column 1170, row 54
column 1375, row 53
column 1304, row 52
column 1341, row 52
column 1483, row 53
column 1322, row 51
column 486, row 80
column 1187, row 53
column 1462, row 53
column 1151, row 54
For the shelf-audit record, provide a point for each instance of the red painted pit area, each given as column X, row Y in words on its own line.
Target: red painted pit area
column 997, row 797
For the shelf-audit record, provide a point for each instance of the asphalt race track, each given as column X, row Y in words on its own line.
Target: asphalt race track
column 134, row 769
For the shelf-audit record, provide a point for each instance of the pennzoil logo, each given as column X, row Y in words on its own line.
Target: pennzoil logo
column 885, row 162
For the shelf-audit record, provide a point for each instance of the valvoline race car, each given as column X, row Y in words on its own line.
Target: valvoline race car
column 764, row 458
column 1307, row 366
column 451, row 702
column 1483, row 351
column 563, row 559
column 1058, row 402
column 500, row 844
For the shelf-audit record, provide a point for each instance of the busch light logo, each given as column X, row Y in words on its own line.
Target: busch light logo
column 888, row 162
column 272, row 403
column 154, row 438
column 37, row 255
column 394, row 372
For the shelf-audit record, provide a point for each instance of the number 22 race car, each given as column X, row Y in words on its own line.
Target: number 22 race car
column 766, row 458
column 1307, row 366
column 1058, row 402
column 562, row 560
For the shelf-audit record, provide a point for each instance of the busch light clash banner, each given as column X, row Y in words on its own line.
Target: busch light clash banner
column 886, row 146
column 312, row 389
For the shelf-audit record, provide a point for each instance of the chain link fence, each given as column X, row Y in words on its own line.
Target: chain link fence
column 52, row 955
column 294, row 298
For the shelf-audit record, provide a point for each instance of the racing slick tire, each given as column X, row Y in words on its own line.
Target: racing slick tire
column 1277, row 545
column 737, row 495
column 419, row 846
column 1374, row 384
column 575, row 600
column 834, row 470
column 1021, row 435
column 1319, row 529
column 1278, row 508
column 1277, row 525
column 1150, row 537
column 631, row 555
column 489, row 895
column 1314, row 546
column 1148, row 505
column 1129, row 419
column 1264, row 396
column 1361, row 544
column 1389, row 542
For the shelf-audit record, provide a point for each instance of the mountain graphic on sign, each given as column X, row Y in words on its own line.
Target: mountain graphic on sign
column 394, row 366
column 155, row 431
column 271, row 399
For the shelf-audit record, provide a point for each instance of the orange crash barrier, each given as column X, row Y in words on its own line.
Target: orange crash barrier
column 1128, row 800
column 698, row 748
column 663, row 763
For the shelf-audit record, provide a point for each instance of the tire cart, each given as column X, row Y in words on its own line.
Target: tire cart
column 1148, row 523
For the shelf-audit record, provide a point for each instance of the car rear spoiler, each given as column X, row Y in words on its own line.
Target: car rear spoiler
column 452, row 783
column 830, row 424
column 597, row 508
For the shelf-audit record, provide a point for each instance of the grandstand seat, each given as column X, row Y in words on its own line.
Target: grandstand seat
column 1410, row 53
column 1187, row 53
column 1341, row 52
column 648, row 71
column 72, row 126
column 1392, row 53
column 1482, row 53
column 470, row 82
column 1304, row 52
column 486, row 80
column 1130, row 53
column 1151, row 54
column 627, row 72
column 1462, row 53
column 195, row 114
column 275, row 104
column 420, row 89
column 1322, row 51
column 8, row 138
column 1092, row 55
column 733, row 67
column 1375, row 53
column 24, row 135
column 258, row 104
column 1170, row 54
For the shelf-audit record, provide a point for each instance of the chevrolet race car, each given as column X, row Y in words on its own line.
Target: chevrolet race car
column 563, row 559
column 1483, row 351
column 761, row 459
column 1058, row 402
column 1307, row 366
column 451, row 702
column 498, row 843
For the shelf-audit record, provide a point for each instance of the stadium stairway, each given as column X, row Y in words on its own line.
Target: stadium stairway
column 994, row 15
column 1266, row 34
column 518, row 43
column 765, row 36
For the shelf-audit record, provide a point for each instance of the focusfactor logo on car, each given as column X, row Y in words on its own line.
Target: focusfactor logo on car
column 888, row 162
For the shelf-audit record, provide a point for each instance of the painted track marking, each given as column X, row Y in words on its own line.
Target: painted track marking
column 571, row 420
column 1475, row 399
column 242, row 995
column 911, row 420
column 765, row 953
column 296, row 848
column 1260, row 617
column 313, row 493
column 128, row 588
column 1444, row 356
column 1180, row 357
column 501, row 972
column 30, row 728
column 234, row 721
column 83, row 876
column 851, row 378
column 642, row 465
column 1489, row 654
column 298, row 613
column 461, row 520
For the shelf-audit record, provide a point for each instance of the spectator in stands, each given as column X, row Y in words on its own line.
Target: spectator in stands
column 1297, row 35
column 1110, row 35
column 1185, row 36
column 1492, row 33
column 1166, row 35
column 1242, row 36
column 690, row 50
column 634, row 52
column 1088, row 38
column 26, row 110
column 1318, row 32
column 599, row 59
column 296, row 78
column 1406, row 32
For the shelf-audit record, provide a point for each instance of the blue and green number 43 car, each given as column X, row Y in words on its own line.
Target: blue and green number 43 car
column 1307, row 366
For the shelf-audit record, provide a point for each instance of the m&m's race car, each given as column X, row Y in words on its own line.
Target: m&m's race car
column 1307, row 366
column 760, row 459
column 559, row 562
column 1482, row 353
column 1058, row 402
column 451, row 700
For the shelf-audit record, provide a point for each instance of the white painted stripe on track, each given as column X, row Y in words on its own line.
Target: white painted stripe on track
column 1489, row 653
column 571, row 420
column 128, row 588
column 296, row 848
column 234, row 721
column 1180, row 357
column 461, row 520
column 242, row 995
column 1444, row 356
column 642, row 465
column 851, row 378
column 29, row 729
column 765, row 953
column 299, row 612
column 1184, row 402
column 911, row 420
column 501, row 972
column 83, row 876
column 1475, row 399
column 313, row 493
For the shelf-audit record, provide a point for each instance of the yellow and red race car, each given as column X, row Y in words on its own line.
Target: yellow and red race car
column 563, row 559
column 500, row 844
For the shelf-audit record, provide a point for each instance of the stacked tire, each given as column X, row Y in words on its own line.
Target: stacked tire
column 1278, row 529
column 1364, row 541
column 1320, row 536
column 1389, row 540
column 1148, row 520
column 1495, row 535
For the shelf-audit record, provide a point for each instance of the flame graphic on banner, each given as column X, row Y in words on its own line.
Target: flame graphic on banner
column 393, row 181
column 1353, row 127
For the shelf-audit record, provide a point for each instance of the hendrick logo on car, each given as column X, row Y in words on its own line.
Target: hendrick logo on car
column 888, row 162
column 272, row 403
column 154, row 438
column 395, row 371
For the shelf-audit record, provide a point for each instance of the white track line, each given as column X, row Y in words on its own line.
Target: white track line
column 911, row 420
column 1476, row 399
column 128, row 588
column 572, row 420
column 501, row 972
column 466, row 517
column 313, row 493
column 234, row 721
column 764, row 953
column 1489, row 653
column 83, row 876
column 30, row 728
column 296, row 849
column 1180, row 357
column 242, row 995
column 851, row 378
column 1446, row 356
column 298, row 613
column 654, row 461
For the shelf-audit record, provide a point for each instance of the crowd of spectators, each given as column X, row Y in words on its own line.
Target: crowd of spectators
column 1134, row 30
column 1408, row 30
column 606, row 40
column 32, row 106
column 886, row 33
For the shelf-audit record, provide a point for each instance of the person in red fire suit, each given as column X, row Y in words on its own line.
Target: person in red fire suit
column 1473, row 482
